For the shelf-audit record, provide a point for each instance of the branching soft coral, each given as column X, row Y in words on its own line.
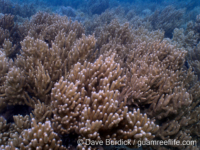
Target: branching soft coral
column 110, row 85
column 46, row 27
column 11, row 35
column 43, row 64
column 4, row 67
column 39, row 136
column 86, row 103
column 167, row 19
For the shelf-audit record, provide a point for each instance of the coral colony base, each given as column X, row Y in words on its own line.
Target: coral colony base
column 99, row 76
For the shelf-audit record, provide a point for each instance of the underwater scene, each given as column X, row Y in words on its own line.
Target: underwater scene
column 99, row 75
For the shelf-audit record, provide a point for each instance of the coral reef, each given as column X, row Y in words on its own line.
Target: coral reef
column 103, row 78
column 167, row 19
column 68, row 11
column 87, row 103
column 24, row 10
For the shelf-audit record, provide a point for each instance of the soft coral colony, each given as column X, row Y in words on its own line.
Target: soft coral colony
column 121, row 83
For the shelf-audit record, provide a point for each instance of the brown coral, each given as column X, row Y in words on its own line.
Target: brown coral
column 110, row 85
column 87, row 103
column 40, row 136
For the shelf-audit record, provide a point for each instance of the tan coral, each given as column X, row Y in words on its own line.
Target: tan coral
column 4, row 134
column 44, row 67
column 14, row 87
column 8, row 147
column 46, row 26
column 87, row 103
column 40, row 136
column 4, row 67
column 8, row 48
column 39, row 83
column 41, row 112
column 21, row 123
column 154, row 70
column 4, row 34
